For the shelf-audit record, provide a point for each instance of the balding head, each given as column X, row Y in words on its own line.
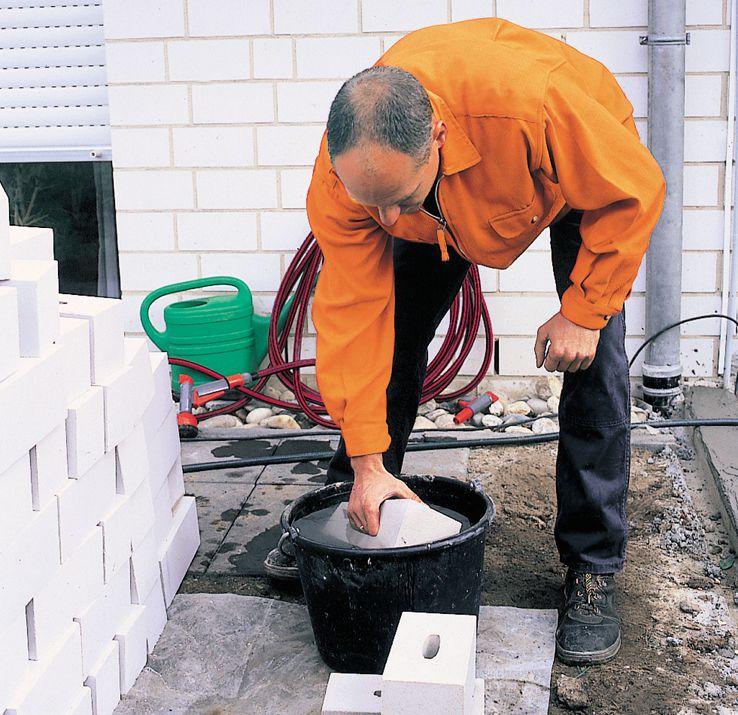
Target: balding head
column 385, row 106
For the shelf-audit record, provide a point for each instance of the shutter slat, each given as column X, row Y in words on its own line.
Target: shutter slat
column 44, row 16
column 53, row 96
column 52, row 77
column 51, row 36
column 55, row 137
column 52, row 56
column 20, row 117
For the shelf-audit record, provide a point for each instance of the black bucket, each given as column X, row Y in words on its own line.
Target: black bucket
column 355, row 597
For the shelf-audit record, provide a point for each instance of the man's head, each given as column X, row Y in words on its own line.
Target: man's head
column 384, row 141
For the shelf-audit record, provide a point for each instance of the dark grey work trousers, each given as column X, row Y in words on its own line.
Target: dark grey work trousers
column 593, row 461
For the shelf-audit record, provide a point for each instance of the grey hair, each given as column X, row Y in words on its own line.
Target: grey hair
column 386, row 105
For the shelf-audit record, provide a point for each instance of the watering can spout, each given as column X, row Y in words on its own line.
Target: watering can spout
column 261, row 325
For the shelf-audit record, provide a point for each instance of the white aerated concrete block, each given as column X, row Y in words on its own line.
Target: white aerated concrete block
column 100, row 621
column 127, row 392
column 49, row 467
column 67, row 592
column 82, row 704
column 156, row 616
column 161, row 403
column 31, row 243
column 28, row 386
column 131, row 637
column 162, row 514
column 82, row 502
column 16, row 507
column 175, row 482
column 51, row 685
column 478, row 705
column 164, row 449
column 353, row 694
column 27, row 562
column 132, row 461
column 145, row 574
column 4, row 236
column 177, row 552
column 402, row 522
column 104, row 681
column 14, row 655
column 105, row 323
column 431, row 666
column 75, row 337
column 85, row 432
column 125, row 526
column 37, row 285
column 9, row 336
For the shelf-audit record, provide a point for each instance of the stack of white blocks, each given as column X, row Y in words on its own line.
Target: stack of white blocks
column 95, row 531
column 430, row 670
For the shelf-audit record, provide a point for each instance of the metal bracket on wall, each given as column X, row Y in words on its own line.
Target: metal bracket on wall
column 664, row 39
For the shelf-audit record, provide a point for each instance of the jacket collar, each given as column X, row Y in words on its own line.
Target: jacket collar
column 458, row 153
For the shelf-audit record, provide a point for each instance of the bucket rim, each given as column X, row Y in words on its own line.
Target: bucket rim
column 467, row 534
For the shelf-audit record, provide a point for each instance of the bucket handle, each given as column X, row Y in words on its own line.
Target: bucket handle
column 159, row 337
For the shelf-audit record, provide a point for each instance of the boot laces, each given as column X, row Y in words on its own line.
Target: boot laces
column 589, row 589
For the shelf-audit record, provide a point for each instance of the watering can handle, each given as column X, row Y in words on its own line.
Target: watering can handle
column 159, row 337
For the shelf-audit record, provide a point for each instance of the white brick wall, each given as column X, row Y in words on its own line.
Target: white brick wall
column 217, row 113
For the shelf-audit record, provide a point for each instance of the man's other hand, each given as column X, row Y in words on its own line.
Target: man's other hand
column 373, row 484
column 570, row 346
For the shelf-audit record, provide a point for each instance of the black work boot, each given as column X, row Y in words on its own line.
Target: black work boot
column 589, row 625
column 280, row 563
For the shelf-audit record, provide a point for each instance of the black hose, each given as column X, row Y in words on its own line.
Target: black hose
column 444, row 444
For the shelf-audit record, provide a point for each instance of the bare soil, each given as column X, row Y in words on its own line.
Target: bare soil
column 699, row 672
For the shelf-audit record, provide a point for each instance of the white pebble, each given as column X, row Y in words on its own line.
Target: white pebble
column 282, row 422
column 544, row 426
column 220, row 421
column 259, row 414
column 424, row 423
column 491, row 421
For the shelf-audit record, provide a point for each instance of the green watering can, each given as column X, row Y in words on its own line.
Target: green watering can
column 221, row 332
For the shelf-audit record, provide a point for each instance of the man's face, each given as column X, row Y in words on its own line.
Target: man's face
column 388, row 179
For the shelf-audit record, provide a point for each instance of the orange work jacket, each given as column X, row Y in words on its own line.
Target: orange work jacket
column 533, row 126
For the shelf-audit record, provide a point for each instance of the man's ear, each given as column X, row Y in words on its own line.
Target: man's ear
column 439, row 132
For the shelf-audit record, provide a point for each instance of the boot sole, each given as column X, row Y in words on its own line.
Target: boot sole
column 572, row 657
column 283, row 573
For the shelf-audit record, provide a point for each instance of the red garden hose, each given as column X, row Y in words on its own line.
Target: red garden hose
column 465, row 315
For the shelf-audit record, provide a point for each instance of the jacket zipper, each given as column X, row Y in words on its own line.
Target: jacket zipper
column 442, row 227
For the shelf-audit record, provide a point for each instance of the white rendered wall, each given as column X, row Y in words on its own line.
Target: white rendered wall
column 217, row 108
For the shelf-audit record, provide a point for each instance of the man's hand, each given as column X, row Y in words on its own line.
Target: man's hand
column 373, row 484
column 570, row 346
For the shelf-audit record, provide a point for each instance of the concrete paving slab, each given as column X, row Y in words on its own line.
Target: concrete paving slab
column 438, row 463
column 255, row 531
column 218, row 506
column 242, row 654
column 309, row 473
column 198, row 452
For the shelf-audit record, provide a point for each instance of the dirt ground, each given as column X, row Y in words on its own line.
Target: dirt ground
column 664, row 591
column 675, row 595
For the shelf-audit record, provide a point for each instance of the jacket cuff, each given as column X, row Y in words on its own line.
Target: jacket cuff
column 365, row 439
column 577, row 309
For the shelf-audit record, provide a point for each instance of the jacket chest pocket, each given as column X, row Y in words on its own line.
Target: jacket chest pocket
column 525, row 223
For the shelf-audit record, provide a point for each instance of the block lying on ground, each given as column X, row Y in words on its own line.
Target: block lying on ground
column 353, row 694
column 179, row 548
column 9, row 336
column 431, row 666
column 402, row 522
column 37, row 285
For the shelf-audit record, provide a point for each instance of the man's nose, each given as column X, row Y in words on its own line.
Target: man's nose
column 389, row 215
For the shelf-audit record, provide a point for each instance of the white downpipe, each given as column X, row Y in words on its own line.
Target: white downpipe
column 725, row 327
column 733, row 281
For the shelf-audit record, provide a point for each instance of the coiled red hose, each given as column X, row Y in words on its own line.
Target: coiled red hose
column 465, row 315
